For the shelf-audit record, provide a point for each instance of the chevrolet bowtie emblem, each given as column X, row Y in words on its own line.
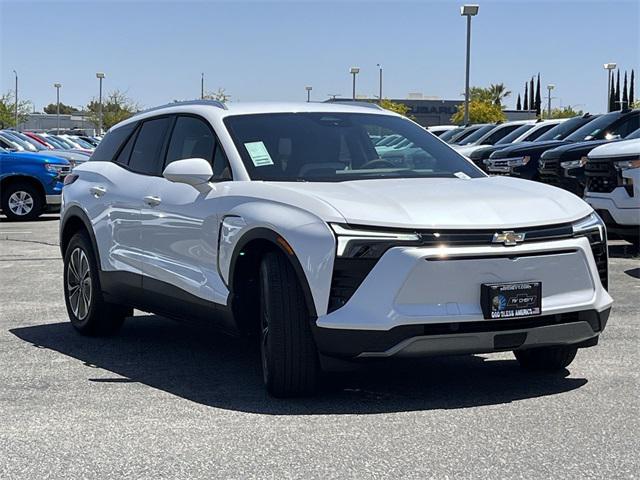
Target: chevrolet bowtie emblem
column 508, row 238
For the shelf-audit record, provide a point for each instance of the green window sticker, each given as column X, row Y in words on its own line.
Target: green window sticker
column 258, row 153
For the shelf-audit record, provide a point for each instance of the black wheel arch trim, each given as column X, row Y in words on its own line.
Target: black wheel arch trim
column 75, row 211
column 262, row 233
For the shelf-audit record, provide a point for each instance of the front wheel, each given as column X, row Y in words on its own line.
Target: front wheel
column 22, row 201
column 548, row 359
column 89, row 313
column 288, row 352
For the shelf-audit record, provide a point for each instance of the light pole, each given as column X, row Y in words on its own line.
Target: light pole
column 354, row 71
column 57, row 86
column 16, row 105
column 468, row 11
column 202, row 86
column 380, row 83
column 308, row 88
column 550, row 87
column 610, row 67
column 100, row 76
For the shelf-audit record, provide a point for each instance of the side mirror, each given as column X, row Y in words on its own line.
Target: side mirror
column 193, row 171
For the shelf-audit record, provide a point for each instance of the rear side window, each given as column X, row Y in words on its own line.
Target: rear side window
column 191, row 138
column 147, row 149
column 112, row 142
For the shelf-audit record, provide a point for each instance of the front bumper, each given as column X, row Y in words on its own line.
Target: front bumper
column 413, row 290
column 54, row 200
column 623, row 209
column 580, row 329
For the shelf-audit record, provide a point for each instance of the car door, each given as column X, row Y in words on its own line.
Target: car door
column 180, row 231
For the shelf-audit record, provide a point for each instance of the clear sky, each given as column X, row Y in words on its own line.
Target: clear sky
column 264, row 50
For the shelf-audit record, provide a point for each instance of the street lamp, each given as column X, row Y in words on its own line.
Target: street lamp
column 100, row 76
column 550, row 87
column 308, row 88
column 16, row 105
column 354, row 71
column 610, row 67
column 57, row 86
column 202, row 86
column 468, row 11
column 380, row 93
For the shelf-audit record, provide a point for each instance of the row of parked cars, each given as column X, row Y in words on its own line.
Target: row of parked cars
column 33, row 166
column 596, row 157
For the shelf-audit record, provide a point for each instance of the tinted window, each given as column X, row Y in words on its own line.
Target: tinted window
column 110, row 144
column 448, row 135
column 475, row 136
column 561, row 131
column 595, row 129
column 325, row 147
column 221, row 167
column 125, row 153
column 513, row 135
column 626, row 126
column 633, row 135
column 499, row 133
column 191, row 138
column 145, row 156
column 538, row 132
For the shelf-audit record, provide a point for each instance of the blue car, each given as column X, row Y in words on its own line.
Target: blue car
column 30, row 184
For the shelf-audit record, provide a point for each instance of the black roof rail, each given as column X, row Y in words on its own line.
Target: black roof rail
column 211, row 103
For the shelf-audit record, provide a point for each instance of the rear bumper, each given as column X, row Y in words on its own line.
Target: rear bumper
column 580, row 328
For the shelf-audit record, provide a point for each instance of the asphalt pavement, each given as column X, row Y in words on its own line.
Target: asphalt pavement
column 162, row 400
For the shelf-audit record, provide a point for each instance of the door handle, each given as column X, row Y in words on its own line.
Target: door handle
column 97, row 190
column 152, row 200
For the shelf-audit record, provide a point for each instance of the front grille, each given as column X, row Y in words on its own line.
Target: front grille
column 602, row 176
column 550, row 172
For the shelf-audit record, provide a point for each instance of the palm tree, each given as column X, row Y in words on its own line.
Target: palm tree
column 498, row 92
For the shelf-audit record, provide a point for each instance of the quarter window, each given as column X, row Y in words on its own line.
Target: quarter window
column 147, row 150
column 111, row 143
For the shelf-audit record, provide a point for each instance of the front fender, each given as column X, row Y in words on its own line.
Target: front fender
column 311, row 239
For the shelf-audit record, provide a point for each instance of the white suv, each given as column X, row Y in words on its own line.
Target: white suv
column 283, row 222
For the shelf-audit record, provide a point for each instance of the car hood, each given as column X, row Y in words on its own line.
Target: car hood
column 469, row 149
column 573, row 149
column 528, row 148
column 34, row 157
column 623, row 148
column 487, row 202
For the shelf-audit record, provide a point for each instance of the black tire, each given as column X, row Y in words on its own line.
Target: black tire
column 550, row 359
column 289, row 357
column 97, row 317
column 22, row 201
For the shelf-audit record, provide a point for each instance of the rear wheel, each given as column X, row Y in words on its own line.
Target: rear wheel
column 22, row 201
column 288, row 352
column 89, row 313
column 548, row 359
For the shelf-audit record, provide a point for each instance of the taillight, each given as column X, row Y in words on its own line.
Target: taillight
column 69, row 179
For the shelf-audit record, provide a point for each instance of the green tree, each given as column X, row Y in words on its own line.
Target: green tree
column 399, row 108
column 480, row 94
column 116, row 107
column 498, row 92
column 8, row 112
column 64, row 109
column 564, row 112
column 479, row 112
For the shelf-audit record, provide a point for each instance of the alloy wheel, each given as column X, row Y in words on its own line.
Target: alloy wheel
column 79, row 288
column 20, row 203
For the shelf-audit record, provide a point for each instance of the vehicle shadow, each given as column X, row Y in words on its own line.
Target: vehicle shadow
column 41, row 218
column 626, row 250
column 218, row 371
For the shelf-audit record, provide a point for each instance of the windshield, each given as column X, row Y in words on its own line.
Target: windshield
column 333, row 147
column 559, row 132
column 593, row 130
column 513, row 135
column 633, row 135
column 475, row 136
column 448, row 135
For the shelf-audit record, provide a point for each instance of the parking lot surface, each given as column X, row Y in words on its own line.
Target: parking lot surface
column 162, row 400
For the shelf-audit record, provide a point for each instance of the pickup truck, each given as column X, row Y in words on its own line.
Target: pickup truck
column 30, row 184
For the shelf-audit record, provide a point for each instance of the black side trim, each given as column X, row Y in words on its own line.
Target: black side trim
column 271, row 236
column 161, row 298
column 350, row 343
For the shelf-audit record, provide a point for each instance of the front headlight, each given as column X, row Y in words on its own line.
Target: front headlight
column 592, row 227
column 627, row 164
column 574, row 163
column 59, row 170
column 360, row 243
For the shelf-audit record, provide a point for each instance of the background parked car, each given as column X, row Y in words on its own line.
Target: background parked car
column 613, row 186
column 492, row 136
column 563, row 166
